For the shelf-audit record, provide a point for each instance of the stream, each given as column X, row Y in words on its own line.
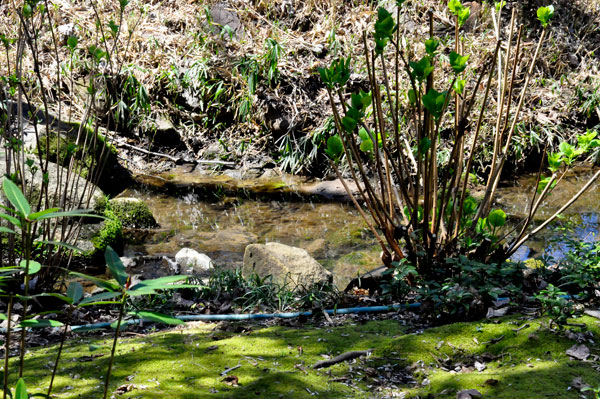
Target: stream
column 216, row 216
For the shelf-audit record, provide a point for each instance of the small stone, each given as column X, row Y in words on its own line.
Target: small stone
column 468, row 394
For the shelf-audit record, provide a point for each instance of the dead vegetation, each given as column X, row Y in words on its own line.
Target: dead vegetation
column 243, row 74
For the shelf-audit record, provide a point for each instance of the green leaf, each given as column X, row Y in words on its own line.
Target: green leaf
column 62, row 297
column 412, row 97
column 61, row 244
column 41, row 323
column 459, row 86
column 159, row 283
column 421, row 69
column 349, row 124
column 334, row 147
column 469, row 206
column 34, row 266
column 157, row 317
column 554, row 161
column 455, row 6
column 107, row 285
column 544, row 15
column 36, row 215
column 6, row 230
column 434, row 102
column 3, row 316
column 16, row 197
column 458, row 62
column 424, row 145
column 123, row 4
column 73, row 213
column 384, row 29
column 113, row 27
column 496, row 218
column 366, row 144
column 500, row 4
column 72, row 43
column 544, row 182
column 114, row 264
column 102, row 297
column 21, row 390
column 431, row 46
column 75, row 291
column 27, row 10
column 10, row 219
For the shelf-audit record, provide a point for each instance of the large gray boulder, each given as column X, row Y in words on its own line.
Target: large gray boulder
column 286, row 264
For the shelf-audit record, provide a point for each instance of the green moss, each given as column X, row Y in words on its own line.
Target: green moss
column 276, row 362
column 133, row 213
column 529, row 363
column 185, row 364
column 110, row 234
column 62, row 149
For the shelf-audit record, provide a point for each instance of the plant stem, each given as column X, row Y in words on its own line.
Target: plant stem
column 114, row 347
column 24, row 330
column 7, row 345
column 60, row 348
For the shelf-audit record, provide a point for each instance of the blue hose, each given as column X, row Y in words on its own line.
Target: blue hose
column 255, row 316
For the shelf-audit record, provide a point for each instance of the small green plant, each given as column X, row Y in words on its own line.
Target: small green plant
column 556, row 304
column 398, row 287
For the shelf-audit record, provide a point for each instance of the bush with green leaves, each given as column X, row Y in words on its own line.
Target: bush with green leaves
column 556, row 304
column 412, row 179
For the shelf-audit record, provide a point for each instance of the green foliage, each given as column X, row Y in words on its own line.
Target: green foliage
column 555, row 303
column 421, row 69
column 271, row 57
column 462, row 13
column 471, row 287
column 434, row 102
column 337, row 74
column 544, row 14
column 397, row 286
column 384, row 29
column 458, row 62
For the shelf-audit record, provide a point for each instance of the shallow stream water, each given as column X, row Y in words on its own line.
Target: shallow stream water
column 333, row 232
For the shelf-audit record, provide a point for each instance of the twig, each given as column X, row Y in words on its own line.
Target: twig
column 230, row 369
column 341, row 358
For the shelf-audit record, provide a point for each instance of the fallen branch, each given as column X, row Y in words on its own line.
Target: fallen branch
column 177, row 160
column 230, row 369
column 341, row 358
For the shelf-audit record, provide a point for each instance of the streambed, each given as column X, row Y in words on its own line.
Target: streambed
column 221, row 223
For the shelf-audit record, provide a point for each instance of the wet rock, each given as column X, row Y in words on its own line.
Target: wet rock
column 192, row 261
column 285, row 264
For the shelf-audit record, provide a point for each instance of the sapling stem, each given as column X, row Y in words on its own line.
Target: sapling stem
column 114, row 346
column 7, row 344
column 60, row 348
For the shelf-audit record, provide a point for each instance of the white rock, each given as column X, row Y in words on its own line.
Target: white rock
column 193, row 261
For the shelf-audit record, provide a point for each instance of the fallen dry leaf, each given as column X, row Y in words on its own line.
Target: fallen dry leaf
column 231, row 380
column 123, row 389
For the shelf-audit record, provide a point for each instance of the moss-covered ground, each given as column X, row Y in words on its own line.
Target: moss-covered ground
column 275, row 362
